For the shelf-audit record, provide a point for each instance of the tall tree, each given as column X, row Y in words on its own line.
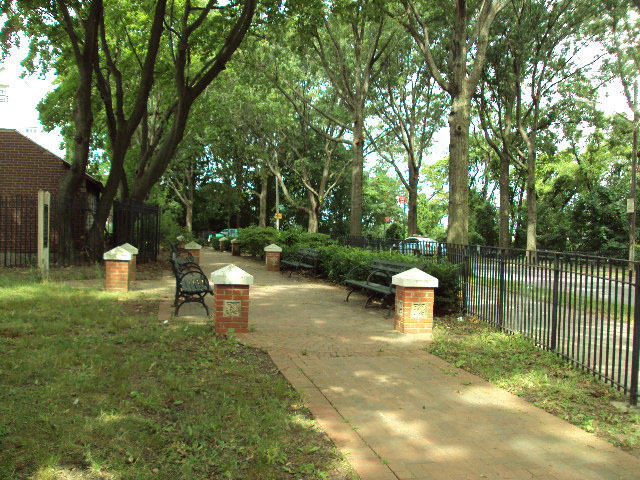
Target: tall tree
column 348, row 42
column 467, row 35
column 411, row 109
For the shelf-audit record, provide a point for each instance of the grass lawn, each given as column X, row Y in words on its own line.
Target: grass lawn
column 93, row 386
column 540, row 377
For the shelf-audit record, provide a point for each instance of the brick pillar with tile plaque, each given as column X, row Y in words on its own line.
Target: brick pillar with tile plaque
column 132, row 265
column 414, row 301
column 272, row 254
column 194, row 249
column 223, row 243
column 231, row 299
column 116, row 263
column 235, row 247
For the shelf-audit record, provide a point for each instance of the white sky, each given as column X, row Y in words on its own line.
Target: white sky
column 20, row 112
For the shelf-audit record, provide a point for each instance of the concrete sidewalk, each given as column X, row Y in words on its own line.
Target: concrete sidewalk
column 395, row 411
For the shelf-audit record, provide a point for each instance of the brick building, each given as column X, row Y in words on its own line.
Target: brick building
column 25, row 168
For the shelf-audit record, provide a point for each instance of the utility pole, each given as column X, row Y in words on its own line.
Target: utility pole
column 631, row 207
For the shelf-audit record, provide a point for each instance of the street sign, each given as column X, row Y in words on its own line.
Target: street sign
column 387, row 219
column 281, row 207
column 401, row 199
column 278, row 216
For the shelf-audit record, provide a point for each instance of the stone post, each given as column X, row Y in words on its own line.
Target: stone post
column 272, row 257
column 132, row 265
column 223, row 243
column 231, row 299
column 194, row 249
column 235, row 247
column 414, row 301
column 116, row 263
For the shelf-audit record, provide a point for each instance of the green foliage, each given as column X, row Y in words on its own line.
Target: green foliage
column 95, row 387
column 340, row 263
column 254, row 239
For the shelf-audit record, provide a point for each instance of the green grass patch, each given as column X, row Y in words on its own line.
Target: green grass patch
column 93, row 386
column 514, row 363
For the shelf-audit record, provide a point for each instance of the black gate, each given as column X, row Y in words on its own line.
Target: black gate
column 138, row 224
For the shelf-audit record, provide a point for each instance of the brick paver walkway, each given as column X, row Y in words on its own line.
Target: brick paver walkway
column 397, row 412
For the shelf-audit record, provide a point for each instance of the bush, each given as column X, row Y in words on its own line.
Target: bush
column 254, row 239
column 339, row 263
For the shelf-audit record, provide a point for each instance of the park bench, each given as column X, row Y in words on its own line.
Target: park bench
column 192, row 285
column 378, row 280
column 302, row 259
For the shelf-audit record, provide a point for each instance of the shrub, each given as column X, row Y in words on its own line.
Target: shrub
column 254, row 239
column 339, row 263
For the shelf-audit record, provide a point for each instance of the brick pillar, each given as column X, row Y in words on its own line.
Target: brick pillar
column 223, row 243
column 194, row 249
column 231, row 299
column 180, row 240
column 235, row 247
column 414, row 301
column 272, row 257
column 132, row 265
column 117, row 269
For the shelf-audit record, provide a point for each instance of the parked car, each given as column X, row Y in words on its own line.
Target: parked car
column 418, row 245
column 228, row 232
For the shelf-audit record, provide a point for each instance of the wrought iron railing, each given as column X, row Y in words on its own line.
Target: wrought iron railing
column 582, row 307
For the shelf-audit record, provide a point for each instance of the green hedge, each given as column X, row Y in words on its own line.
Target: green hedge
column 253, row 239
column 337, row 262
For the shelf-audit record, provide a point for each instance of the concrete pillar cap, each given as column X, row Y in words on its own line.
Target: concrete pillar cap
column 180, row 238
column 273, row 248
column 414, row 278
column 193, row 246
column 129, row 248
column 231, row 275
column 223, row 239
column 117, row 253
column 235, row 240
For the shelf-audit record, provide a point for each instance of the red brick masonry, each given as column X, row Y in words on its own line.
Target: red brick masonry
column 414, row 309
column 231, row 308
column 196, row 255
column 272, row 260
column 117, row 275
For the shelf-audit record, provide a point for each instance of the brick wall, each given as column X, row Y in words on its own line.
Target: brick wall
column 26, row 167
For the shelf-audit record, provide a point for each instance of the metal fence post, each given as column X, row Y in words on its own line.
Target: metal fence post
column 555, row 305
column 635, row 351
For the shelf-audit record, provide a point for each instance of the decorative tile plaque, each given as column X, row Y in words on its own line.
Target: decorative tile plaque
column 399, row 308
column 231, row 308
column 418, row 310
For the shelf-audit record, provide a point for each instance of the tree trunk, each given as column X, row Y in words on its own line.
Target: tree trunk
column 188, row 217
column 355, row 223
column 313, row 211
column 532, row 208
column 83, row 123
column 264, row 183
column 503, row 228
column 458, row 230
column 412, row 216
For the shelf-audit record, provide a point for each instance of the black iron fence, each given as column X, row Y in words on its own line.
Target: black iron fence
column 133, row 223
column 19, row 231
column 582, row 307
column 138, row 224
